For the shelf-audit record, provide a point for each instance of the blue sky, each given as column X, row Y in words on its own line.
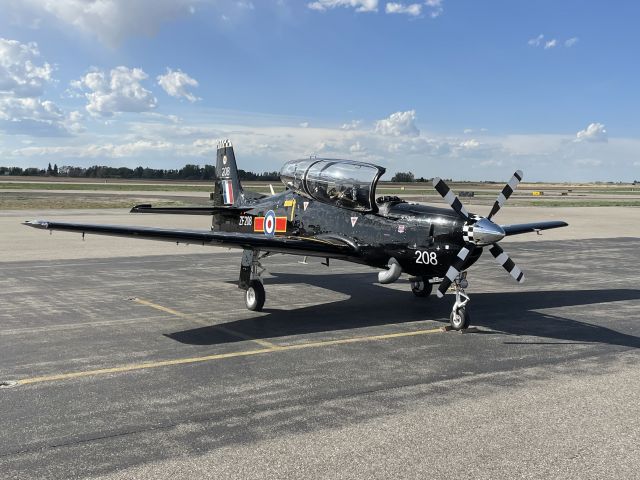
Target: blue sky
column 461, row 89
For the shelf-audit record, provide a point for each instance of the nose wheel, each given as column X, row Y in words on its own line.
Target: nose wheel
column 459, row 317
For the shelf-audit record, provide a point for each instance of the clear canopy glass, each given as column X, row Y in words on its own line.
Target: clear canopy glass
column 342, row 183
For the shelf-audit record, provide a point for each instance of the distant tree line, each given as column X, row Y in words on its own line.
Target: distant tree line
column 408, row 177
column 188, row 172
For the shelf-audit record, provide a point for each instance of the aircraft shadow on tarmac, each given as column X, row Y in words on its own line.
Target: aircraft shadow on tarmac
column 510, row 313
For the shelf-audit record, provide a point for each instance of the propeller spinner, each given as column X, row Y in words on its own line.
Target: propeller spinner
column 479, row 232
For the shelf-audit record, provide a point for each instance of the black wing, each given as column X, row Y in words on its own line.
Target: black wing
column 313, row 246
column 519, row 228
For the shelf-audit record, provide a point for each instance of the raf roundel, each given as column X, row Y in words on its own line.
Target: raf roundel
column 224, row 160
column 270, row 223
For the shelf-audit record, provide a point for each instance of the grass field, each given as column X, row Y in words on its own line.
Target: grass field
column 27, row 201
column 114, row 187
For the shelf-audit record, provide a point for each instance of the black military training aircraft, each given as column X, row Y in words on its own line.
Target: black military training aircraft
column 329, row 209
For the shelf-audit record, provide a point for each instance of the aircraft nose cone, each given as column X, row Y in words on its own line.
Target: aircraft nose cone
column 485, row 232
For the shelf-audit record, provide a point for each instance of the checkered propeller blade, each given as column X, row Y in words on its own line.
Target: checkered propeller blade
column 503, row 259
column 454, row 269
column 450, row 197
column 508, row 189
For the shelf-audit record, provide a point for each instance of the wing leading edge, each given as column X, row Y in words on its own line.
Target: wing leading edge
column 519, row 228
column 280, row 244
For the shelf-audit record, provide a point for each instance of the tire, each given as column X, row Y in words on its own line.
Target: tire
column 461, row 320
column 421, row 287
column 254, row 297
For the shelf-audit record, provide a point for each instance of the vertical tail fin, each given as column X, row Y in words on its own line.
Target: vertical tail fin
column 227, row 188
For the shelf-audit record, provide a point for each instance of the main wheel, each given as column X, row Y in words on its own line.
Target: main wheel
column 459, row 319
column 254, row 297
column 421, row 287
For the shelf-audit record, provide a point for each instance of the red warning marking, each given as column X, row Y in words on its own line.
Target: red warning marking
column 281, row 224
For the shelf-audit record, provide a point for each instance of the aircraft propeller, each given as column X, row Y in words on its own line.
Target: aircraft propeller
column 479, row 232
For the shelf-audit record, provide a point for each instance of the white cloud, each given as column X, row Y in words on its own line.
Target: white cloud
column 588, row 162
column 161, row 143
column 469, row 144
column 110, row 20
column 398, row 124
column 19, row 74
column 107, row 150
column 536, row 41
column 359, row 5
column 595, row 132
column 12, row 108
column 571, row 42
column 414, row 9
column 176, row 84
column 118, row 91
column 539, row 41
column 304, row 124
column 435, row 6
column 23, row 111
column 36, row 117
column 352, row 125
column 357, row 149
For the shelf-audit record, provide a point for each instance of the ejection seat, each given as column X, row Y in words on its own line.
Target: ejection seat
column 385, row 203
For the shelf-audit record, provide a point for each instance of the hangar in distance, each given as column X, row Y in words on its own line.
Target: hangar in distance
column 329, row 209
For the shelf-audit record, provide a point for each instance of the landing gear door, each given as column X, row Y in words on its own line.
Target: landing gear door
column 246, row 266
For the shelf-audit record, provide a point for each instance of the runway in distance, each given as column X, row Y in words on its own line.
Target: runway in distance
column 330, row 210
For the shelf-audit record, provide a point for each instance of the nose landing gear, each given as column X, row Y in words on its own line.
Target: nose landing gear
column 459, row 317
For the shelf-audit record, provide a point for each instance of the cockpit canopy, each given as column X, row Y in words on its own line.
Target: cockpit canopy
column 342, row 183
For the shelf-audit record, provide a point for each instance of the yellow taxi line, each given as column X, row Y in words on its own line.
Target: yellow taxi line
column 193, row 318
column 221, row 356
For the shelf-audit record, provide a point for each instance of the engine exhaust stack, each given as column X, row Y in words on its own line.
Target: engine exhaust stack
column 391, row 275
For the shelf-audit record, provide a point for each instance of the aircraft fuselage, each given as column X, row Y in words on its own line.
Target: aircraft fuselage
column 424, row 240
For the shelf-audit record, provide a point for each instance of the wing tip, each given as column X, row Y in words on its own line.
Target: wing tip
column 140, row 208
column 43, row 224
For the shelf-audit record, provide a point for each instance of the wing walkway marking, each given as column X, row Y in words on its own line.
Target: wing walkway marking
column 221, row 356
column 192, row 318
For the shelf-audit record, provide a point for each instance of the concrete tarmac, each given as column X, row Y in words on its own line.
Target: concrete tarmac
column 146, row 364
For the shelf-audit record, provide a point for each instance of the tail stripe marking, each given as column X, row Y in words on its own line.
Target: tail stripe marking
column 227, row 191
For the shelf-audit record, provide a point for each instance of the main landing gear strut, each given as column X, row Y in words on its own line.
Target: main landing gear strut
column 459, row 318
column 251, row 271
column 420, row 286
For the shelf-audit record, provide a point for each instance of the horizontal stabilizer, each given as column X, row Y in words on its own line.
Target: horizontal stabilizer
column 208, row 210
column 519, row 228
